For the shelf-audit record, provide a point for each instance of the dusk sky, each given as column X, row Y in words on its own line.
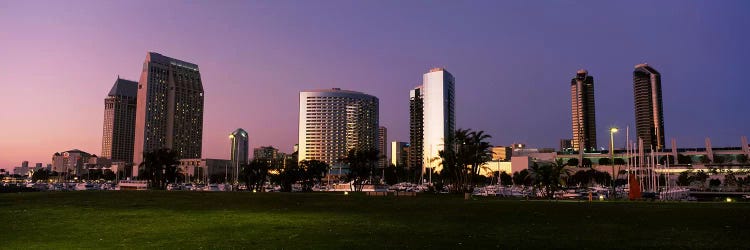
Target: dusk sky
column 513, row 61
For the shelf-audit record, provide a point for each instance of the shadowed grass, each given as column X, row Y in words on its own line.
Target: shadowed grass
column 189, row 220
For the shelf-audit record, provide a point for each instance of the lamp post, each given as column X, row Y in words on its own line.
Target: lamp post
column 612, row 132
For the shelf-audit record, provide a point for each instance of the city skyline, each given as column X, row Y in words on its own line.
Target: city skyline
column 514, row 63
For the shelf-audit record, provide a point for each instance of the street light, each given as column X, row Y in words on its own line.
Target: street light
column 612, row 132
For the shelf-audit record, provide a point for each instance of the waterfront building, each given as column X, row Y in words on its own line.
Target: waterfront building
column 583, row 113
column 119, row 121
column 169, row 110
column 334, row 121
column 649, row 114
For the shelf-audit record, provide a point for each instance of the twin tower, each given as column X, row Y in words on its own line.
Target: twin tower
column 164, row 109
column 649, row 114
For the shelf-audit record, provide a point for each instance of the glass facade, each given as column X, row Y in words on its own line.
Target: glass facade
column 240, row 149
column 583, row 113
column 439, row 117
column 649, row 114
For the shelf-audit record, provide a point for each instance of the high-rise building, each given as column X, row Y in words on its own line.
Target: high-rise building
column 119, row 121
column 416, row 128
column 334, row 121
column 438, row 115
column 583, row 112
column 649, row 114
column 382, row 147
column 240, row 150
column 169, row 111
column 399, row 153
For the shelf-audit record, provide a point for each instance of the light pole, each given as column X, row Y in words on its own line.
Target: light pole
column 612, row 132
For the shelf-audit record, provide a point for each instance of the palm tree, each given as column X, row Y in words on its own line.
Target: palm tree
column 480, row 151
column 465, row 152
column 454, row 160
column 158, row 166
column 361, row 166
column 549, row 175
column 255, row 173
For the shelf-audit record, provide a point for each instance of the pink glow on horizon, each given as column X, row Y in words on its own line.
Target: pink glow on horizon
column 512, row 60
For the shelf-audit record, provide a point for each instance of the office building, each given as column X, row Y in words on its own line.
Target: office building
column 649, row 114
column 382, row 147
column 72, row 162
column 500, row 153
column 169, row 111
column 437, row 96
column 399, row 153
column 566, row 145
column 416, row 128
column 266, row 153
column 240, row 147
column 119, row 121
column 583, row 112
column 206, row 170
column 334, row 121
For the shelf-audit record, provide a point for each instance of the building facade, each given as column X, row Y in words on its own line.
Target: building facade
column 266, row 153
column 500, row 153
column 416, row 128
column 240, row 149
column 399, row 153
column 566, row 145
column 439, row 116
column 169, row 111
column 71, row 162
column 583, row 113
column 206, row 170
column 383, row 147
column 334, row 121
column 119, row 121
column 649, row 114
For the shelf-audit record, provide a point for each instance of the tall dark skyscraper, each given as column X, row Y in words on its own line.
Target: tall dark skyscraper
column 383, row 147
column 649, row 114
column 170, row 108
column 119, row 121
column 583, row 112
column 416, row 128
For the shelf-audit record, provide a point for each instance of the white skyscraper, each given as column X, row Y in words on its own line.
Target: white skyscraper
column 438, row 96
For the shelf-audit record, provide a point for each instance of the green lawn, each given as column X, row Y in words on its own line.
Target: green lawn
column 190, row 220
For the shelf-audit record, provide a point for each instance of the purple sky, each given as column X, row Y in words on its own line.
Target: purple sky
column 512, row 60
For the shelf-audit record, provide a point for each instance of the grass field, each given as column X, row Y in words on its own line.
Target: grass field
column 190, row 220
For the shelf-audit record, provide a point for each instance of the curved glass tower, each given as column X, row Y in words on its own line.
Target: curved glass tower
column 239, row 153
column 334, row 121
column 649, row 114
column 583, row 112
